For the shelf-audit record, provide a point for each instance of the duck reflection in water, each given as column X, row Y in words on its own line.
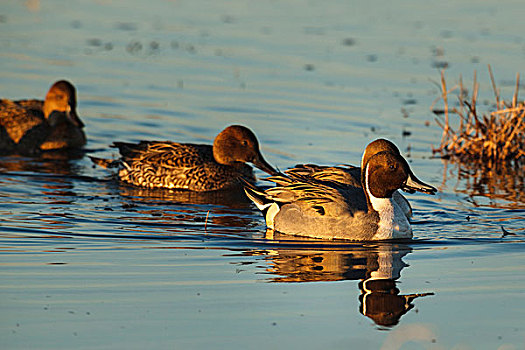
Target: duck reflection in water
column 51, row 162
column 380, row 299
column 216, row 210
column 234, row 199
column 54, row 170
column 377, row 266
column 49, row 182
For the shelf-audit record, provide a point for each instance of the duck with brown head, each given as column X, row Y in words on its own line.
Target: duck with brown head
column 236, row 145
column 195, row 167
column 305, row 206
column 32, row 126
column 349, row 175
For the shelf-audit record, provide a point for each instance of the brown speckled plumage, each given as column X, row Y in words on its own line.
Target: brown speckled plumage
column 178, row 165
column 22, row 125
column 156, row 164
column 32, row 126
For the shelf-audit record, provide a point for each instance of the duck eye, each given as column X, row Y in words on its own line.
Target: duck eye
column 392, row 167
column 244, row 143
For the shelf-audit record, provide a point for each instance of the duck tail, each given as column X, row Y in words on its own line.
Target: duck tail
column 268, row 207
column 105, row 163
column 257, row 197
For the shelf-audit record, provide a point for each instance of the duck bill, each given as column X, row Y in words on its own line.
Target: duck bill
column 262, row 164
column 73, row 117
column 414, row 184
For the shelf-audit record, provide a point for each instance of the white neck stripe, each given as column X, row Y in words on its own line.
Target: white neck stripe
column 392, row 221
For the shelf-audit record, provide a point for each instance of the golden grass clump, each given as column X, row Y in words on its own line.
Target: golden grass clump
column 491, row 138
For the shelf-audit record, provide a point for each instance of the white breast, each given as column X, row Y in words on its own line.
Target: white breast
column 393, row 222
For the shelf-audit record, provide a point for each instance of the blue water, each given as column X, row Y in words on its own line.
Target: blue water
column 88, row 263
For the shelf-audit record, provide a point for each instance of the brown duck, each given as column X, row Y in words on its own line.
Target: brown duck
column 32, row 126
column 195, row 167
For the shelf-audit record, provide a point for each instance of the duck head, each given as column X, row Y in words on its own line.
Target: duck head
column 382, row 145
column 377, row 146
column 386, row 172
column 61, row 100
column 237, row 143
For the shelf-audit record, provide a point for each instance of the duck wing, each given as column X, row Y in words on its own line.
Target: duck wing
column 164, row 153
column 343, row 174
column 323, row 197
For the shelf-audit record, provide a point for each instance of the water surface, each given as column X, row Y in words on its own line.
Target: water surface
column 89, row 263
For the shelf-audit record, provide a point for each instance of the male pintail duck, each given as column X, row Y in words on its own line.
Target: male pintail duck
column 32, row 126
column 348, row 175
column 305, row 206
column 195, row 167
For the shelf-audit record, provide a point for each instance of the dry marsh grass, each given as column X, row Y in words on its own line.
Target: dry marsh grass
column 488, row 139
column 486, row 148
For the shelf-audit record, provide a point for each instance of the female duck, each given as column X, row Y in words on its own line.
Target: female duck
column 303, row 206
column 195, row 167
column 32, row 126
